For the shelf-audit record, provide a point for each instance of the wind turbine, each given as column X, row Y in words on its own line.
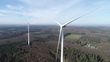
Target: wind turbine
column 28, row 27
column 61, row 35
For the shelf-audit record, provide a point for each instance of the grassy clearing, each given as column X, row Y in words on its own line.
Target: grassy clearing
column 73, row 37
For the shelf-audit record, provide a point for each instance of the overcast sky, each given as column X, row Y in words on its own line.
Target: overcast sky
column 48, row 11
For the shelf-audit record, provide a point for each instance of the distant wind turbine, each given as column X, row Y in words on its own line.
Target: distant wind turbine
column 28, row 27
column 61, row 35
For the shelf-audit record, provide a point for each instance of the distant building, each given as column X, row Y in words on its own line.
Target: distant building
column 90, row 46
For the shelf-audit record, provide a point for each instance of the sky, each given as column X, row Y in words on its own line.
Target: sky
column 46, row 12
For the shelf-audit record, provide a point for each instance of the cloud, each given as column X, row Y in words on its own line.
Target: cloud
column 13, row 7
column 56, row 9
column 1, row 14
column 36, row 12
column 45, row 11
column 39, row 3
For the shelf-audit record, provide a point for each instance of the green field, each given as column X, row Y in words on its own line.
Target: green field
column 73, row 37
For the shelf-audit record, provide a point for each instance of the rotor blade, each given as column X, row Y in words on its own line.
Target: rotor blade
column 58, row 23
column 79, row 17
column 71, row 21
column 59, row 40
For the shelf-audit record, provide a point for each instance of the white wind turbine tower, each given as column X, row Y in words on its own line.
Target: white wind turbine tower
column 61, row 36
column 28, row 27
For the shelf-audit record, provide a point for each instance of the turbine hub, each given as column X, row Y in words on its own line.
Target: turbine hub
column 64, row 26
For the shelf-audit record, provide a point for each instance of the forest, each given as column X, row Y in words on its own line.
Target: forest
column 81, row 44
